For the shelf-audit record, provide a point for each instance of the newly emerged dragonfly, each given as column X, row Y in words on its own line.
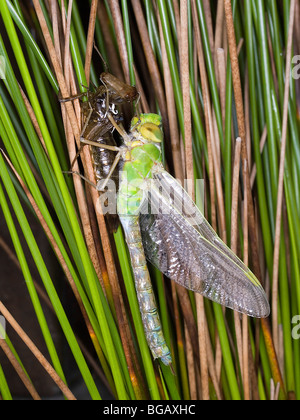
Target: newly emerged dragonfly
column 162, row 224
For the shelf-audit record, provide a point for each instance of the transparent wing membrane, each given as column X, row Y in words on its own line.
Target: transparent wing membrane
column 181, row 244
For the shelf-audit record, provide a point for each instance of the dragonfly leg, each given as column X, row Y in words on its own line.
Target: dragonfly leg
column 73, row 97
column 101, row 56
column 76, row 156
column 87, row 120
column 100, row 145
column 81, row 176
column 69, row 98
column 77, row 96
column 119, row 127
column 112, row 169
column 105, row 181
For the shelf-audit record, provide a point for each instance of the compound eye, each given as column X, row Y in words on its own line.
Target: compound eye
column 151, row 132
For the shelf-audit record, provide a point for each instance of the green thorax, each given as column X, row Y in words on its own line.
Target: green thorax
column 143, row 155
column 142, row 159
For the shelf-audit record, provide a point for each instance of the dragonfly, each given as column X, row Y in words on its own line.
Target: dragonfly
column 163, row 225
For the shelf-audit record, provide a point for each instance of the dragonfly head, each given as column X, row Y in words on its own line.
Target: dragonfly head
column 147, row 128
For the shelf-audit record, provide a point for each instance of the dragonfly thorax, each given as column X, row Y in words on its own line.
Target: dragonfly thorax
column 141, row 155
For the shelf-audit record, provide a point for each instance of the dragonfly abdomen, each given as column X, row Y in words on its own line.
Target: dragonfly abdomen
column 145, row 294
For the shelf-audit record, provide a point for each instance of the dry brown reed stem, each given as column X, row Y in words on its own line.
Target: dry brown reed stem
column 247, row 118
column 201, row 323
column 281, row 177
column 274, row 391
column 113, row 56
column 235, row 193
column 212, row 136
column 56, row 30
column 240, row 110
column 214, row 162
column 221, row 66
column 261, row 148
column 209, row 24
column 251, row 216
column 245, row 355
column 118, row 23
column 151, row 64
column 179, row 174
column 21, row 373
column 208, row 132
column 253, row 376
column 245, row 329
column 190, row 366
column 210, row 149
column 179, row 337
column 234, row 237
column 211, row 364
column 67, row 29
column 57, row 68
column 35, row 351
column 185, row 86
column 219, row 28
column 177, row 19
column 90, row 40
column 171, row 110
column 218, row 176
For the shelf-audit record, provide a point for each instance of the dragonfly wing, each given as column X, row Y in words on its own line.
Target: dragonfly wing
column 172, row 191
column 181, row 244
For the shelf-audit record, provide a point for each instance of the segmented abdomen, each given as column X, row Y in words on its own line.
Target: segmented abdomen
column 145, row 295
